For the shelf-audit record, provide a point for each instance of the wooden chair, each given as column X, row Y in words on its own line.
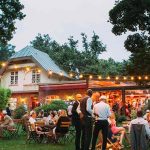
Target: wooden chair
column 62, row 134
column 110, row 145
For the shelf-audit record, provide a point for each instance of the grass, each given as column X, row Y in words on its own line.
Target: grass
column 20, row 144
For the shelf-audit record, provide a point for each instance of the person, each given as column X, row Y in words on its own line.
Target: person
column 46, row 119
column 32, row 120
column 116, row 130
column 62, row 118
column 69, row 110
column 140, row 120
column 25, row 119
column 147, row 112
column 7, row 122
column 148, row 118
column 1, row 115
column 86, row 120
column 41, row 114
column 8, row 110
column 95, row 98
column 102, row 111
column 76, row 121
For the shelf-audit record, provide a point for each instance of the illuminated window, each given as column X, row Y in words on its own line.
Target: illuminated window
column 14, row 77
column 35, row 76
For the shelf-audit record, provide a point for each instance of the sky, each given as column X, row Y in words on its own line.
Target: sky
column 64, row 18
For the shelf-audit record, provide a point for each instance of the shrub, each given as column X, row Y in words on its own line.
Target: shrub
column 19, row 112
column 54, row 105
column 4, row 97
column 121, row 118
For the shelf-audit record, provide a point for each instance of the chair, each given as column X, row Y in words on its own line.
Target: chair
column 62, row 132
column 112, row 142
column 34, row 136
column 138, row 137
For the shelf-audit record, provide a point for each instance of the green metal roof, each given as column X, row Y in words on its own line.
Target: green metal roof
column 42, row 58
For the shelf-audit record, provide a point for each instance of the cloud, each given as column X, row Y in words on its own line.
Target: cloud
column 63, row 18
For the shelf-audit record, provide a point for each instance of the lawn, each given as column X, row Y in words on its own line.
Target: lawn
column 20, row 144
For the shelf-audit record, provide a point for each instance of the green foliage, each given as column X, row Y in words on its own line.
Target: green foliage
column 133, row 114
column 10, row 11
column 133, row 15
column 6, row 51
column 19, row 112
column 4, row 97
column 69, row 57
column 54, row 105
column 121, row 118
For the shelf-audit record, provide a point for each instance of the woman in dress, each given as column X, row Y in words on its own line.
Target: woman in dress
column 116, row 130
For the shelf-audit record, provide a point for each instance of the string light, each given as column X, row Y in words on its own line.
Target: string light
column 99, row 77
column 27, row 69
column 61, row 73
column 90, row 76
column 124, row 78
column 132, row 78
column 3, row 64
column 146, row 77
column 50, row 72
column 81, row 76
column 139, row 77
column 39, row 71
column 117, row 78
column 71, row 75
column 108, row 78
column 15, row 66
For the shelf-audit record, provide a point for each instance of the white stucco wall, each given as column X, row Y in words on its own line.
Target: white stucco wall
column 25, row 78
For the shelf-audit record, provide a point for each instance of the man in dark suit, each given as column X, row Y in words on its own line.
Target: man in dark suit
column 86, row 120
column 76, row 121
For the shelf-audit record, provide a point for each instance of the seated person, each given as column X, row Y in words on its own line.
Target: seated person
column 116, row 130
column 25, row 119
column 40, row 114
column 62, row 118
column 46, row 119
column 52, row 119
column 140, row 120
column 7, row 122
column 32, row 122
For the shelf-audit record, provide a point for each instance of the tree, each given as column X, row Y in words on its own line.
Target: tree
column 133, row 15
column 4, row 97
column 68, row 55
column 6, row 51
column 10, row 11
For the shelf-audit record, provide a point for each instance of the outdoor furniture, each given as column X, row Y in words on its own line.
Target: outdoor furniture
column 37, row 136
column 62, row 132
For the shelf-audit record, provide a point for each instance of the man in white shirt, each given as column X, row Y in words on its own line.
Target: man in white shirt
column 102, row 112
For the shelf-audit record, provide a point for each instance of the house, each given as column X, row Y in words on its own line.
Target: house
column 25, row 71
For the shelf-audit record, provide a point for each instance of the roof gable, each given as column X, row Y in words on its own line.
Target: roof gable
column 41, row 58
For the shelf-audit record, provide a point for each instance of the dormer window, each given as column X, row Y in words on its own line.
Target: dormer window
column 35, row 76
column 14, row 78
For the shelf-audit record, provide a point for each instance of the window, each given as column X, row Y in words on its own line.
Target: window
column 14, row 78
column 35, row 76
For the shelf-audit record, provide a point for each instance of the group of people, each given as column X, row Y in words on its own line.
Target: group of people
column 51, row 122
column 85, row 109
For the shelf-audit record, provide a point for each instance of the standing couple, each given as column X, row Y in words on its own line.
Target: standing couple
column 82, row 119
